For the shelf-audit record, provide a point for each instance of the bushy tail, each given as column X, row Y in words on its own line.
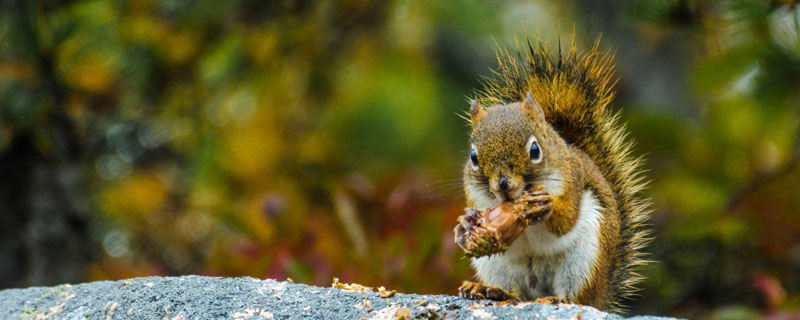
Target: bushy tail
column 574, row 90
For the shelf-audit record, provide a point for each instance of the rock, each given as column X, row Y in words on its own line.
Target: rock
column 199, row 297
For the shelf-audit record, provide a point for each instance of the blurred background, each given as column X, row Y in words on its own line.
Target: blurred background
column 321, row 139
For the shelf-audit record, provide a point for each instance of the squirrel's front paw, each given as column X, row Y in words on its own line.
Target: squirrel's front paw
column 473, row 236
column 535, row 206
column 466, row 233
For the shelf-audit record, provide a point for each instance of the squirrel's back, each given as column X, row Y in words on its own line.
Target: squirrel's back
column 574, row 91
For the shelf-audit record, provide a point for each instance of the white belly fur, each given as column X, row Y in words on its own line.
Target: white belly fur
column 561, row 264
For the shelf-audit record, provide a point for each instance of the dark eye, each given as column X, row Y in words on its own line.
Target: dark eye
column 534, row 150
column 473, row 158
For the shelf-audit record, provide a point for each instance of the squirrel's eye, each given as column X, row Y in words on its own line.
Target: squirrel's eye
column 534, row 150
column 473, row 158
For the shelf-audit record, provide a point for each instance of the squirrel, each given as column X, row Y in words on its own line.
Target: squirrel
column 548, row 125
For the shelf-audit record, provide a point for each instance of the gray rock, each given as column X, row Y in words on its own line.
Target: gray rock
column 197, row 297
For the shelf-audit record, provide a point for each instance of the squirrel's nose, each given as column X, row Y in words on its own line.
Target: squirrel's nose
column 502, row 184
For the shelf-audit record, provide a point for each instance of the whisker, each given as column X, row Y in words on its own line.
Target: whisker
column 443, row 194
column 559, row 180
column 532, row 181
column 444, row 185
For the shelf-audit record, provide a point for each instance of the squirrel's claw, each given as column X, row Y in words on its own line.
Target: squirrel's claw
column 536, row 198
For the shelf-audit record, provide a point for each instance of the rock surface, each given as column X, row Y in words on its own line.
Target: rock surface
column 198, row 297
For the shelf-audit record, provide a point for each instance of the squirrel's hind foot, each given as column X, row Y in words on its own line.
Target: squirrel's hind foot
column 476, row 290
column 553, row 300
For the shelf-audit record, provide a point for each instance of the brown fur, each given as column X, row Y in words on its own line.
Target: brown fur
column 581, row 139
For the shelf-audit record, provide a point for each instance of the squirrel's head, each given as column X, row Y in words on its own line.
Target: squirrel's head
column 512, row 148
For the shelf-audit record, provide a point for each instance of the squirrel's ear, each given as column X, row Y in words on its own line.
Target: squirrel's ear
column 532, row 106
column 475, row 111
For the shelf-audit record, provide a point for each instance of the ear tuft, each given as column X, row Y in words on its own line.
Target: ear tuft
column 475, row 111
column 531, row 106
